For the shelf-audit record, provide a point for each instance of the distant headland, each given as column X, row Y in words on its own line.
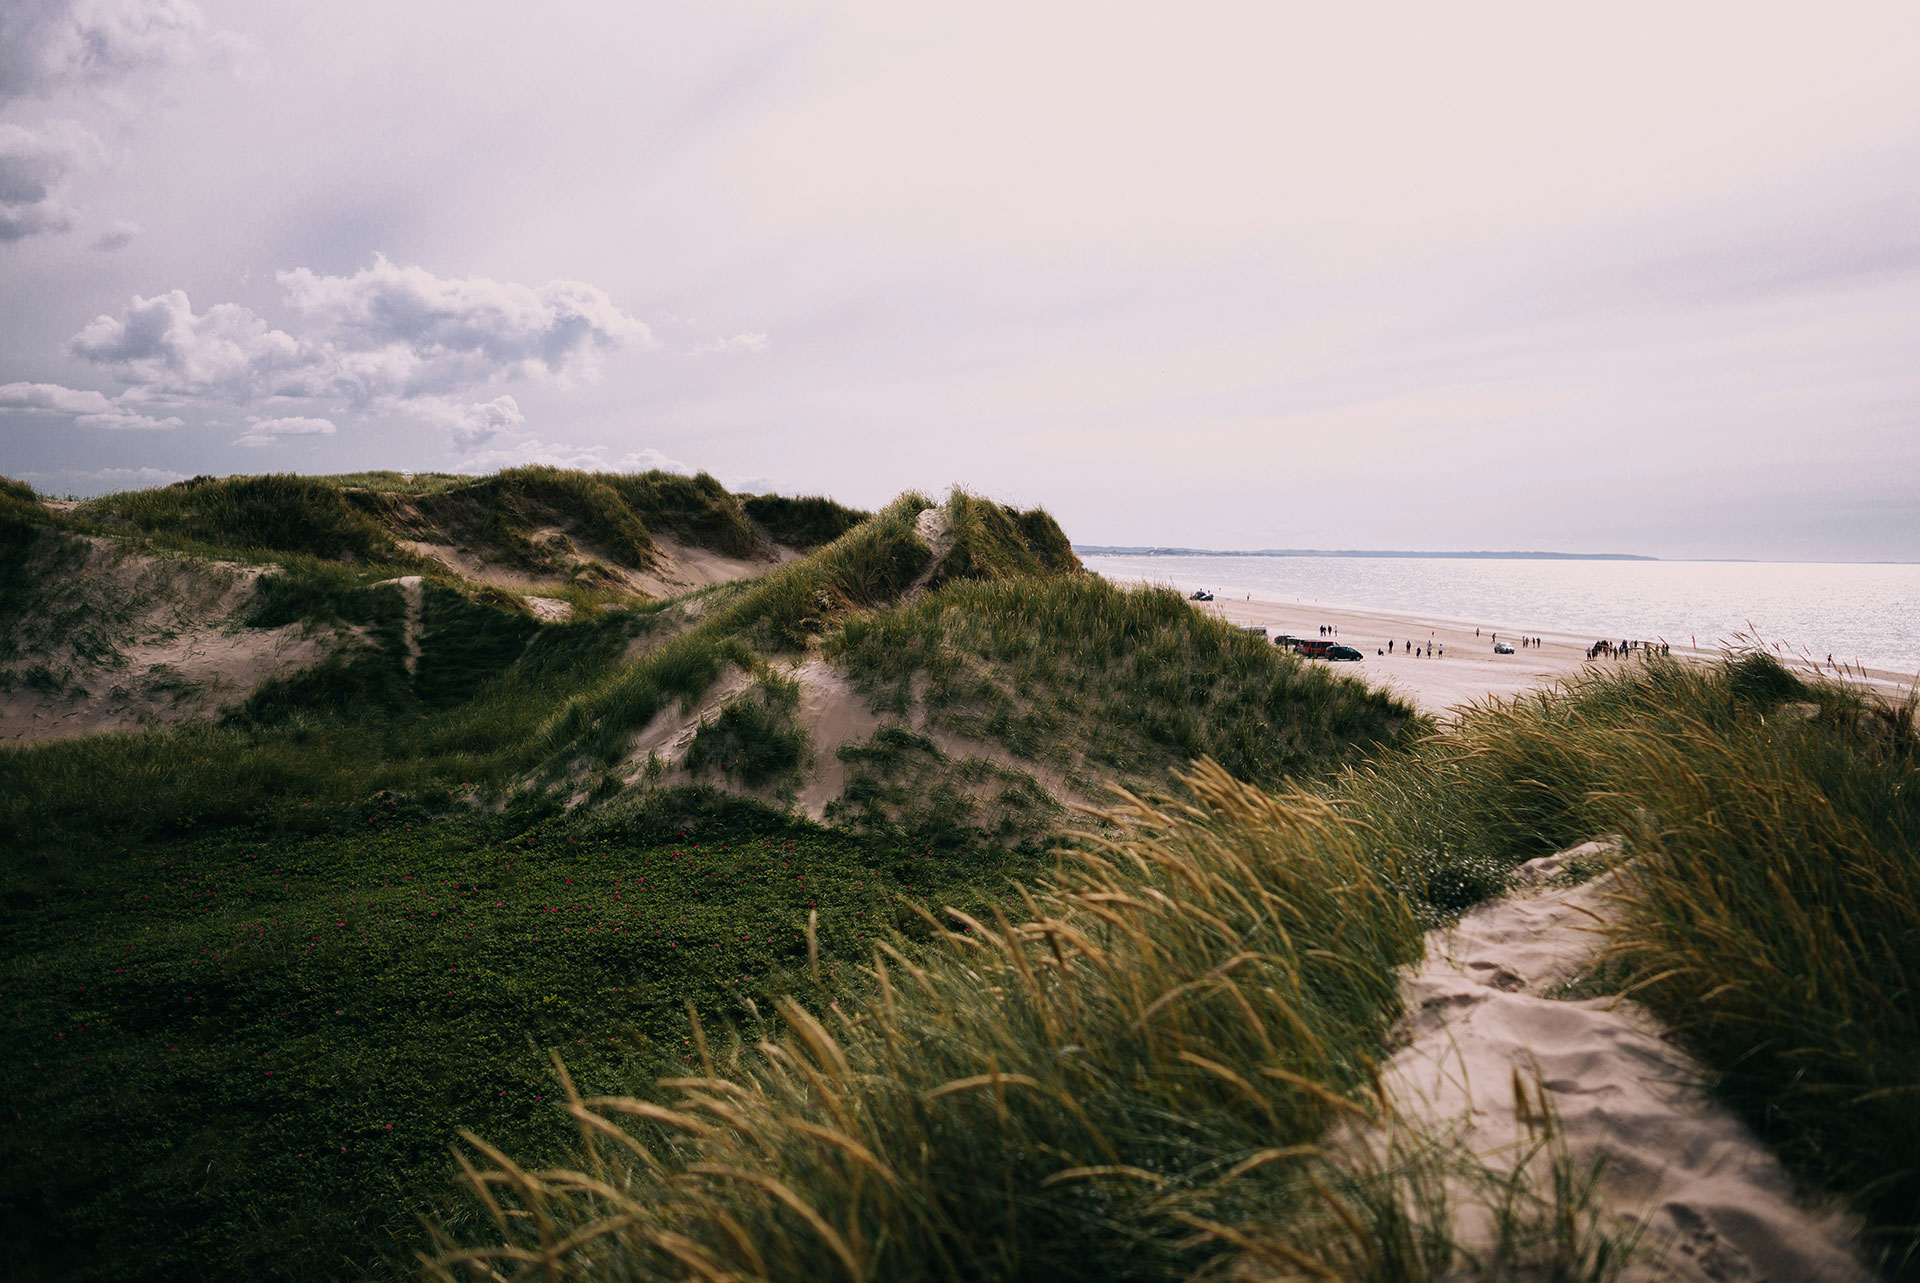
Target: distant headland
column 1116, row 550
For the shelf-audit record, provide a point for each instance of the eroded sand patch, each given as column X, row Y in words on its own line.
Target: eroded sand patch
column 121, row 640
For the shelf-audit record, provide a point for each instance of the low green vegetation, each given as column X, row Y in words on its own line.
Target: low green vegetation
column 753, row 739
column 240, row 1049
column 804, row 523
column 901, row 781
column 777, row 614
column 988, row 540
column 261, row 972
column 1132, row 1078
column 256, row 517
column 1098, row 681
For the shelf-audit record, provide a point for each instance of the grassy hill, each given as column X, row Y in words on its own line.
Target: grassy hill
column 1153, row 1066
column 267, row 960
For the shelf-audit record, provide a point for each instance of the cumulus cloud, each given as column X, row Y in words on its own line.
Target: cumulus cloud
column 90, row 409
column 469, row 424
column 267, row 431
column 34, row 168
column 116, row 237
column 160, row 345
column 387, row 335
column 121, row 419
column 388, row 340
column 51, row 398
column 424, row 334
column 49, row 45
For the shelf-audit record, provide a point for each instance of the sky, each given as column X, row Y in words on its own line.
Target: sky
column 1638, row 277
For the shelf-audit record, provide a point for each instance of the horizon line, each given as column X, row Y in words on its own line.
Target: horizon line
column 1159, row 550
column 1166, row 551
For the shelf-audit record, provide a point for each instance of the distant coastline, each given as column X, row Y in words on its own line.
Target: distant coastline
column 1116, row 550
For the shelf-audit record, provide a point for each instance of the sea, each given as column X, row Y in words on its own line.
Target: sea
column 1861, row 613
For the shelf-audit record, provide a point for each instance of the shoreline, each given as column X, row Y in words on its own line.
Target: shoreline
column 1465, row 670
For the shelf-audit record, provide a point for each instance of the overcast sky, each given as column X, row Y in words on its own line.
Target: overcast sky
column 1621, row 277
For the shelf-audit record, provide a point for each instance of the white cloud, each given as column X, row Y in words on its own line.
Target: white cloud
column 591, row 458
column 421, row 333
column 267, row 431
column 386, row 339
column 162, row 346
column 49, row 45
column 34, row 168
column 120, row 419
column 51, row 398
column 469, row 424
column 91, row 409
column 116, row 237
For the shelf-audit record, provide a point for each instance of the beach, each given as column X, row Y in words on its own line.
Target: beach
column 1456, row 666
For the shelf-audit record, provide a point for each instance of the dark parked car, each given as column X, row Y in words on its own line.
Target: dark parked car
column 1342, row 652
column 1289, row 641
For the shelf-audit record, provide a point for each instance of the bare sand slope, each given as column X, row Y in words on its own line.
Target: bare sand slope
column 1716, row 1205
column 126, row 640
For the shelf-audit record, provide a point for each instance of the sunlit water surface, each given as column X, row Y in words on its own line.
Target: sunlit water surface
column 1867, row 614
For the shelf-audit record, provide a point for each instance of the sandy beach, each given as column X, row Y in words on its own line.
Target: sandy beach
column 1456, row 665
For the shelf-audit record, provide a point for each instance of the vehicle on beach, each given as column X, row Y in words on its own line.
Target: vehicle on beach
column 1343, row 654
column 1315, row 648
column 1503, row 648
column 1201, row 594
column 1258, row 630
column 1289, row 641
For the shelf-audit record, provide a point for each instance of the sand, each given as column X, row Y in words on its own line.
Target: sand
column 1459, row 667
column 176, row 647
column 1715, row 1204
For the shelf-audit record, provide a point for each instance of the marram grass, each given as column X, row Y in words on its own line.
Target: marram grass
column 1132, row 1080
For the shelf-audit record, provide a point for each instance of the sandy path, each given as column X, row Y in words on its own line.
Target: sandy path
column 1466, row 670
column 1717, row 1206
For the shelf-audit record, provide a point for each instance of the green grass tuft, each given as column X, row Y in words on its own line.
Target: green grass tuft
column 802, row 523
column 266, row 515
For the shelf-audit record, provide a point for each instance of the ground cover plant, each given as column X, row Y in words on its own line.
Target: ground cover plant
column 240, row 1050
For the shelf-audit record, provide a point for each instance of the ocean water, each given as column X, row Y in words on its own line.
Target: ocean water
column 1866, row 614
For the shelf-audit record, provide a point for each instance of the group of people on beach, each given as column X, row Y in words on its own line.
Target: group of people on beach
column 1428, row 651
column 1622, row 648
